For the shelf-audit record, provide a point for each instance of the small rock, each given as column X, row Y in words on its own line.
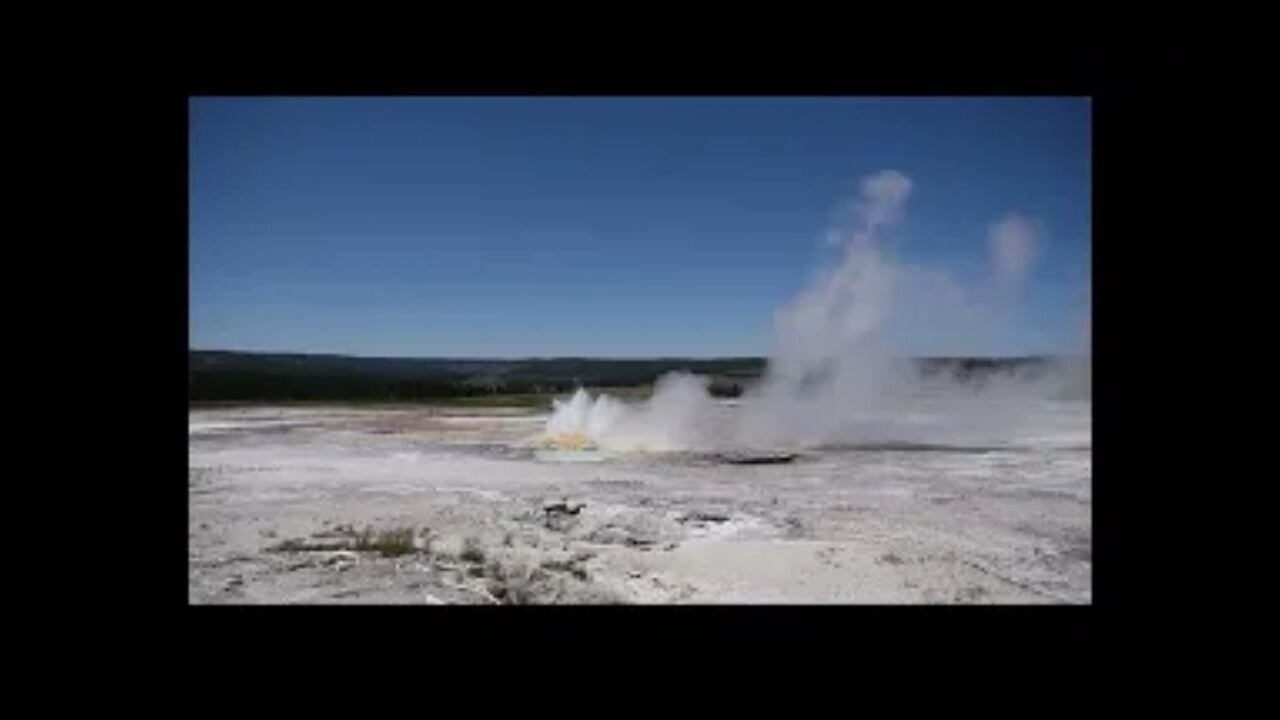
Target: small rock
column 703, row 517
column 563, row 508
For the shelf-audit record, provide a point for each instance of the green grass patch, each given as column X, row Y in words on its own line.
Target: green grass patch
column 387, row 543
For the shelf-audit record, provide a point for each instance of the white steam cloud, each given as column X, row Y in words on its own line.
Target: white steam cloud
column 883, row 197
column 1014, row 243
column 835, row 375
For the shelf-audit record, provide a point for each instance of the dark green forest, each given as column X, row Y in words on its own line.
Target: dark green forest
column 225, row 376
column 222, row 376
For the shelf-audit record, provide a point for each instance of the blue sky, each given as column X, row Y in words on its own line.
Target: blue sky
column 516, row 227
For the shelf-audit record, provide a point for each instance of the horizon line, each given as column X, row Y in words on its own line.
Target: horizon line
column 512, row 358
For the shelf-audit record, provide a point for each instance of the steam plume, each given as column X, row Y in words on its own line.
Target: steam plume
column 834, row 375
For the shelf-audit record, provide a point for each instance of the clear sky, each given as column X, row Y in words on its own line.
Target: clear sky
column 517, row 227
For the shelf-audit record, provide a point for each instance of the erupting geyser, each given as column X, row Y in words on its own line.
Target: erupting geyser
column 834, row 375
column 679, row 416
column 575, row 422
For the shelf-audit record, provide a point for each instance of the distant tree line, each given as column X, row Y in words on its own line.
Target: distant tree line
column 250, row 385
column 976, row 369
column 267, row 385
column 219, row 376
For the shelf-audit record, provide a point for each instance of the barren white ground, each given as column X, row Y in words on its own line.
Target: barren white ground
column 275, row 493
